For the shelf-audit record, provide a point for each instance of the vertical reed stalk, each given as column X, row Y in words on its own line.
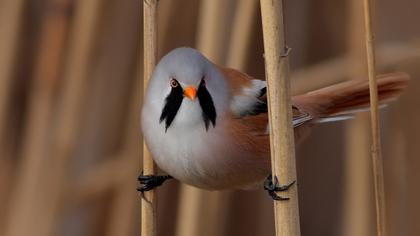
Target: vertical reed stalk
column 279, row 99
column 10, row 27
column 357, row 213
column 67, row 125
column 242, row 28
column 148, row 206
column 376, row 138
column 11, row 12
column 124, row 206
column 24, row 217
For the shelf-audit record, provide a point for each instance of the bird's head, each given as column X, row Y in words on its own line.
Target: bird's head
column 187, row 90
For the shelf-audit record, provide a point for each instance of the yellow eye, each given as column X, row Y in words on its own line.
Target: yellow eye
column 174, row 83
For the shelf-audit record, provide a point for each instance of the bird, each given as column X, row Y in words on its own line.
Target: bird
column 207, row 125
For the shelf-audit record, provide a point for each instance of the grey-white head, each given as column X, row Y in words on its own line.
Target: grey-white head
column 185, row 91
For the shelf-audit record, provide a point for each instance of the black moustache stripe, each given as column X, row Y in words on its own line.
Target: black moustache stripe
column 172, row 104
column 207, row 105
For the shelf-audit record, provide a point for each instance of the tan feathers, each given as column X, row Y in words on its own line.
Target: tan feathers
column 351, row 96
column 331, row 103
column 236, row 79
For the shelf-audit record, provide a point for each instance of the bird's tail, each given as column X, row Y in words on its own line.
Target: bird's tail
column 342, row 100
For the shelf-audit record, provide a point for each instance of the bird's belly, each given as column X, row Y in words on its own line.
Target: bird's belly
column 209, row 160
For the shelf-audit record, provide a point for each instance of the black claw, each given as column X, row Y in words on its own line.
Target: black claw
column 276, row 197
column 150, row 182
column 272, row 188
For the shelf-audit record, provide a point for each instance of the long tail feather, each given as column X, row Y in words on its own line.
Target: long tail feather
column 350, row 97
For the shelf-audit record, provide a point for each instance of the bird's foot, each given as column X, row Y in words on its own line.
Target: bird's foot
column 149, row 182
column 272, row 188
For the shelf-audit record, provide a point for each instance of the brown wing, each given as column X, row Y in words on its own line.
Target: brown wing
column 351, row 96
column 236, row 79
column 248, row 94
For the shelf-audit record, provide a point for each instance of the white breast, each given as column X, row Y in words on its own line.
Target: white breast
column 206, row 159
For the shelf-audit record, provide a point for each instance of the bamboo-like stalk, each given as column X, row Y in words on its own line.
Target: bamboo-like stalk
column 35, row 141
column 10, row 27
column 357, row 213
column 148, row 206
column 125, row 204
column 11, row 16
column 107, row 177
column 11, row 12
column 279, row 99
column 377, row 161
column 70, row 106
column 167, row 9
column 48, row 196
column 245, row 14
column 213, row 29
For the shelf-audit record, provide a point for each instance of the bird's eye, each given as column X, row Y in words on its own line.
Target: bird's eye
column 173, row 83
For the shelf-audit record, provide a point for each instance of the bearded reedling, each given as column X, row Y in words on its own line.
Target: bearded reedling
column 207, row 126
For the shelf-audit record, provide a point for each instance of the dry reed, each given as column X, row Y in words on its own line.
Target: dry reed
column 114, row 72
column 10, row 27
column 279, row 99
column 245, row 14
column 357, row 214
column 35, row 142
column 68, row 123
column 148, row 206
column 377, row 161
column 125, row 204
column 36, row 121
column 11, row 17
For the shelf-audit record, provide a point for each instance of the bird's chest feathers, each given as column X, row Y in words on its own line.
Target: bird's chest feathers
column 187, row 150
column 192, row 149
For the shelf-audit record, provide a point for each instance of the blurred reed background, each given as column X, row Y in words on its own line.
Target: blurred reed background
column 70, row 95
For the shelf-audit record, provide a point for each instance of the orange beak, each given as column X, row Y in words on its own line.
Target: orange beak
column 190, row 92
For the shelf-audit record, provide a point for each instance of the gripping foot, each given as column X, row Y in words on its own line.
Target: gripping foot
column 149, row 182
column 272, row 188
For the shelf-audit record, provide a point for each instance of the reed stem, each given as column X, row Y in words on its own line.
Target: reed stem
column 281, row 131
column 148, row 206
column 376, row 139
column 11, row 17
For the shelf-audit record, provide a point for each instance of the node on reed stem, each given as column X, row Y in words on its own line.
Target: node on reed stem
column 279, row 100
column 376, row 138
